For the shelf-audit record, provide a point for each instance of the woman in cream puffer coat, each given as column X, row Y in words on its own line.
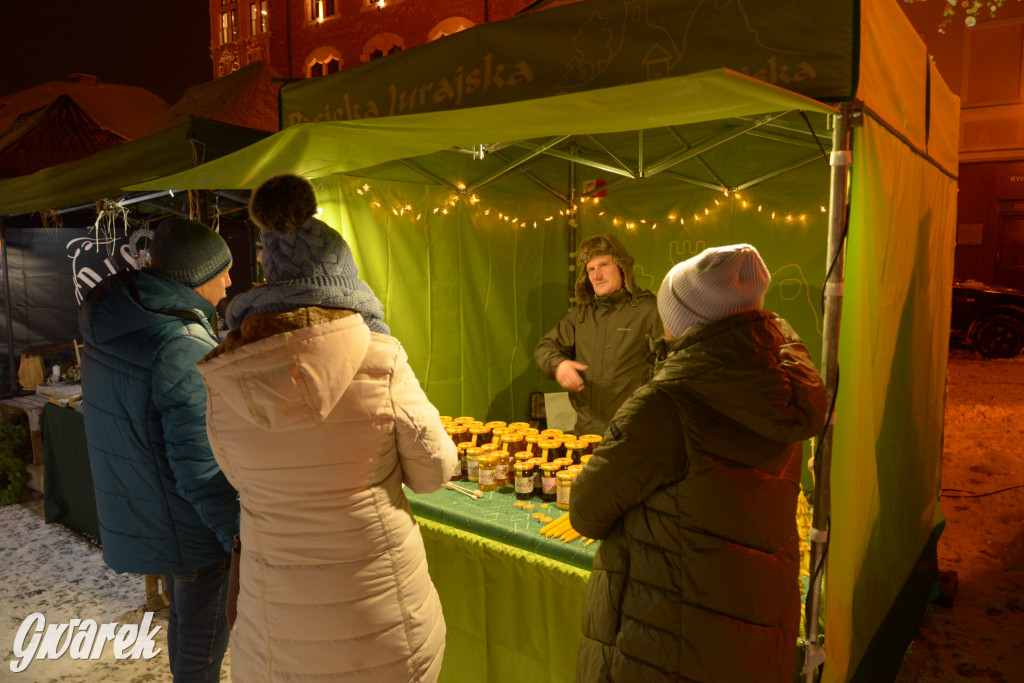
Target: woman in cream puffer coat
column 315, row 416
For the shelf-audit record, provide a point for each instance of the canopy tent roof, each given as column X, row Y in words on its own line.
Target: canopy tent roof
column 320, row 149
column 125, row 109
column 188, row 143
column 55, row 134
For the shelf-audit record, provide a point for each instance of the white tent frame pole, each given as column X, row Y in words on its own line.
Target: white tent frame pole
column 840, row 162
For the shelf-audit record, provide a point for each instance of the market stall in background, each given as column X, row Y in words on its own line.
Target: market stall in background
column 464, row 173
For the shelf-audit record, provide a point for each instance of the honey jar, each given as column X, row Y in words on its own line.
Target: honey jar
column 524, row 480
column 546, row 447
column 584, row 458
column 574, row 449
column 564, row 486
column 473, row 454
column 513, row 443
column 457, row 432
column 497, row 433
column 549, row 481
column 592, row 440
column 501, row 468
column 463, row 465
column 536, row 462
column 486, row 466
column 479, row 434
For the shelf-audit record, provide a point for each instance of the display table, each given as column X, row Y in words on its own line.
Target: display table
column 512, row 598
column 68, row 496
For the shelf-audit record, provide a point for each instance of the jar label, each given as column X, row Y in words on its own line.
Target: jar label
column 548, row 484
column 563, row 495
column 501, row 471
column 524, row 484
column 472, row 467
column 486, row 476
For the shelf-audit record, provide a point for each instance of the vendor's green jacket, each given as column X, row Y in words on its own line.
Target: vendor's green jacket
column 694, row 491
column 610, row 335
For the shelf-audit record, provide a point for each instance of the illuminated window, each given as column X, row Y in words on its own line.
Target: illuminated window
column 320, row 9
column 229, row 26
column 257, row 17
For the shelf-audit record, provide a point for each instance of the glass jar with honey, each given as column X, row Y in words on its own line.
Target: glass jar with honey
column 592, row 441
column 463, row 465
column 496, row 434
column 531, row 441
column 486, row 466
column 547, row 449
column 524, row 480
column 564, row 486
column 513, row 443
column 473, row 454
column 549, row 481
column 536, row 462
column 574, row 449
column 457, row 432
column 479, row 434
column 501, row 468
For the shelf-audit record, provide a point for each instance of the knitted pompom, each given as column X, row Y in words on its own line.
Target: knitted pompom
column 282, row 203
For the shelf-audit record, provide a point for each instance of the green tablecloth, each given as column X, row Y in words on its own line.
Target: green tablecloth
column 512, row 598
column 68, row 496
column 495, row 516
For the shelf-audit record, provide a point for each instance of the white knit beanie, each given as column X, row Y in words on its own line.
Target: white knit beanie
column 714, row 284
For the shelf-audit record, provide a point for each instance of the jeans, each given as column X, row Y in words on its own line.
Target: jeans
column 197, row 632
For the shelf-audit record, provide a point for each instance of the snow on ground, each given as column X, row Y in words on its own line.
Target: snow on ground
column 46, row 568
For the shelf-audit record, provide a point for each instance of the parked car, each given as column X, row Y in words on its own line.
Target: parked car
column 988, row 318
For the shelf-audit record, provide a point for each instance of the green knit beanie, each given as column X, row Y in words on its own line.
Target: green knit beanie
column 188, row 252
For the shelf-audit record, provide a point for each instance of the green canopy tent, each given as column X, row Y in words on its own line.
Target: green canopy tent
column 464, row 172
column 41, row 270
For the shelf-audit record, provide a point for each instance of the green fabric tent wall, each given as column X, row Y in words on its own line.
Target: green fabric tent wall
column 468, row 293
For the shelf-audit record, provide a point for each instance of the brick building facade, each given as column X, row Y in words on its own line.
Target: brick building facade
column 307, row 38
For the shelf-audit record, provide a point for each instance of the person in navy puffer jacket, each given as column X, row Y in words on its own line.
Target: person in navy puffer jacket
column 164, row 505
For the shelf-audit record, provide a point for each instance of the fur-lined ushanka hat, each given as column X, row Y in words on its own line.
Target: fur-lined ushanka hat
column 599, row 245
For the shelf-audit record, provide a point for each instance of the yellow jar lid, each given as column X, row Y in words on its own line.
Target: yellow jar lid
column 511, row 438
column 496, row 423
column 551, row 432
column 465, row 419
column 474, row 451
column 456, row 428
column 550, row 467
column 591, row 438
column 486, row 460
column 524, row 466
column 566, row 475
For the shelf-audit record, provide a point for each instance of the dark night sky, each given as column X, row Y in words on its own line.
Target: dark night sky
column 162, row 46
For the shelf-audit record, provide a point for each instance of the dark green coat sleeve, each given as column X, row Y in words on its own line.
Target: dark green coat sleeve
column 557, row 345
column 642, row 451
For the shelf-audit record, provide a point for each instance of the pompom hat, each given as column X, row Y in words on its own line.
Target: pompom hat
column 306, row 261
column 188, row 251
column 717, row 283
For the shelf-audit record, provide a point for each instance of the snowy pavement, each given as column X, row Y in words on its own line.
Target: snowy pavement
column 47, row 569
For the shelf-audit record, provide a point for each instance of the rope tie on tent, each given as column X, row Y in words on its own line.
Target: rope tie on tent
column 814, row 657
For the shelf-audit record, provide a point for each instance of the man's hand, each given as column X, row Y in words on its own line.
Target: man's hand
column 568, row 375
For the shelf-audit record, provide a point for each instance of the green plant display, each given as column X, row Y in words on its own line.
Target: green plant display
column 15, row 449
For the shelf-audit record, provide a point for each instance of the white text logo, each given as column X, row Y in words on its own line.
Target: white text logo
column 81, row 639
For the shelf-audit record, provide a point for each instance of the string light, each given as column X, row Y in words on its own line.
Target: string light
column 631, row 224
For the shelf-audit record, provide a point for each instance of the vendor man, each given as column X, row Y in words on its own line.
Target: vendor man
column 600, row 351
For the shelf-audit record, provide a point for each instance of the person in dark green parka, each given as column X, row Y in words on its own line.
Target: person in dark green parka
column 601, row 351
column 694, row 491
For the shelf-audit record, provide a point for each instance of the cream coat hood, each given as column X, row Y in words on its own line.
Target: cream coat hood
column 271, row 384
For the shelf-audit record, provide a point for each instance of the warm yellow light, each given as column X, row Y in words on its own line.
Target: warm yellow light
column 671, row 216
column 706, row 212
column 823, row 209
column 461, row 185
column 549, row 219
